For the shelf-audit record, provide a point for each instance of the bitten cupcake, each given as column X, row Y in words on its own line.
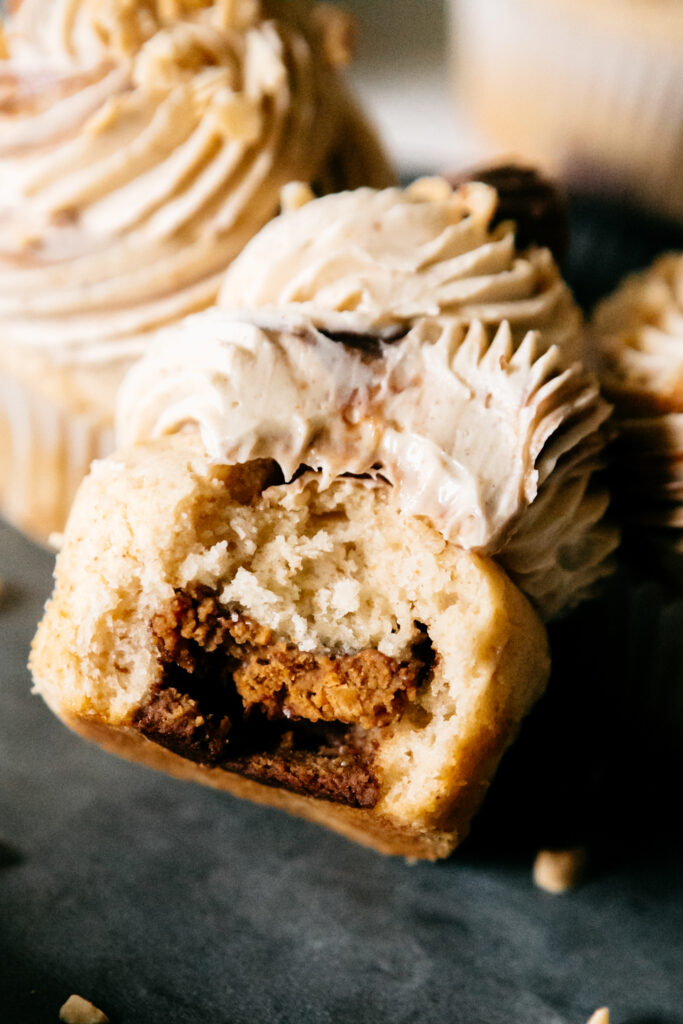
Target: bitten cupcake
column 141, row 145
column 335, row 523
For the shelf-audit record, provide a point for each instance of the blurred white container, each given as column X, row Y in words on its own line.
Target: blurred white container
column 590, row 89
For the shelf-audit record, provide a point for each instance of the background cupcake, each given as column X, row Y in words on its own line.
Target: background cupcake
column 631, row 653
column 592, row 91
column 141, row 146
column 638, row 334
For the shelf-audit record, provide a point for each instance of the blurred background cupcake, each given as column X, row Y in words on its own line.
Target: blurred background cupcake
column 141, row 145
column 637, row 334
column 591, row 91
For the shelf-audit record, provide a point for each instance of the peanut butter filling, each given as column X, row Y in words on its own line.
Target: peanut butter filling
column 232, row 696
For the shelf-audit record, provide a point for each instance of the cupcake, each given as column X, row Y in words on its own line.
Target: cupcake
column 638, row 337
column 639, row 342
column 315, row 571
column 142, row 145
column 369, row 263
column 592, row 91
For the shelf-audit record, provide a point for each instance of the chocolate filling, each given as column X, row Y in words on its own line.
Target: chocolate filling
column 233, row 697
column 369, row 344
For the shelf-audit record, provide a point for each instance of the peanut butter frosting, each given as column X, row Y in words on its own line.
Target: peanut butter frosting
column 638, row 334
column 639, row 337
column 372, row 262
column 143, row 142
column 495, row 443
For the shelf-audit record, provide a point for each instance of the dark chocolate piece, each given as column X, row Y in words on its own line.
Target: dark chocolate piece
column 534, row 202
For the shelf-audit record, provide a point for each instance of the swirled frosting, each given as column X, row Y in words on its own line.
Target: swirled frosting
column 373, row 262
column 142, row 143
column 638, row 334
column 494, row 443
column 639, row 338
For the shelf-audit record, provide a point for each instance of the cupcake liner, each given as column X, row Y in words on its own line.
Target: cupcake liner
column 588, row 96
column 45, row 451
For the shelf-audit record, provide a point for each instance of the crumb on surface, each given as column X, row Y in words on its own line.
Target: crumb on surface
column 557, row 871
column 77, row 1010
column 600, row 1016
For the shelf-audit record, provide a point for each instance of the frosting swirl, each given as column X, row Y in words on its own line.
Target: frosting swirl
column 373, row 262
column 638, row 333
column 639, row 336
column 143, row 143
column 475, row 433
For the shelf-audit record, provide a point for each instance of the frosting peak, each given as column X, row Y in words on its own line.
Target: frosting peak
column 86, row 33
column 469, row 429
column 639, row 337
column 375, row 262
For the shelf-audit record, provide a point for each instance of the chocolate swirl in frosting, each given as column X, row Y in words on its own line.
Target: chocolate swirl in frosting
column 142, row 144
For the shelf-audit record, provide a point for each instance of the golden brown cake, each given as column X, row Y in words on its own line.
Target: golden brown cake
column 141, row 145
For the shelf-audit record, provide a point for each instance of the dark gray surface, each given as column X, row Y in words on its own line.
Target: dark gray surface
column 168, row 903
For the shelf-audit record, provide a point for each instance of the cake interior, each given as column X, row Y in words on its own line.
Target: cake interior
column 309, row 637
column 236, row 694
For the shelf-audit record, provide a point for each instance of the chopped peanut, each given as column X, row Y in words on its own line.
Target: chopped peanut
column 77, row 1010
column 557, row 871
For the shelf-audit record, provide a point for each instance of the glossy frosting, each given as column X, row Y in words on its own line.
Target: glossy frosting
column 143, row 143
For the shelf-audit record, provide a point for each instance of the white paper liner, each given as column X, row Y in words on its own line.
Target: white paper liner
column 45, row 451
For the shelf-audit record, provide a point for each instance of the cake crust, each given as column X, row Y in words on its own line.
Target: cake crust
column 365, row 826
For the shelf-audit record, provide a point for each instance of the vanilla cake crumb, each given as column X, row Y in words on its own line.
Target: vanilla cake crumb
column 557, row 871
column 77, row 1010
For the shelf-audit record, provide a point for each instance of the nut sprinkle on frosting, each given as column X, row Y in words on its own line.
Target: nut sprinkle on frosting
column 143, row 144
